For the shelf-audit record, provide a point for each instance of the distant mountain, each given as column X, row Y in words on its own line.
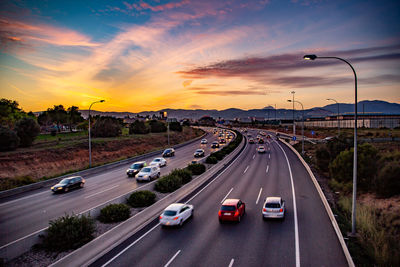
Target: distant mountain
column 375, row 106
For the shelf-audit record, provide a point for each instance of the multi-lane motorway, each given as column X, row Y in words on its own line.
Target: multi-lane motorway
column 305, row 238
column 27, row 213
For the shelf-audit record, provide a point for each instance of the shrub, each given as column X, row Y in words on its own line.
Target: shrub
column 114, row 213
column 168, row 184
column 323, row 158
column 27, row 130
column 106, row 127
column 175, row 126
column 196, row 168
column 184, row 174
column 211, row 160
column 68, row 232
column 142, row 198
column 219, row 155
column 9, row 139
column 138, row 127
column 388, row 180
column 157, row 126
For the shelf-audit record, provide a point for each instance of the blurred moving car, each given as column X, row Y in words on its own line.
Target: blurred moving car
column 203, row 141
column 215, row 144
column 176, row 214
column 261, row 149
column 159, row 162
column 135, row 168
column 199, row 153
column 261, row 141
column 251, row 141
column 69, row 183
column 231, row 210
column 222, row 141
column 169, row 152
column 274, row 207
column 148, row 173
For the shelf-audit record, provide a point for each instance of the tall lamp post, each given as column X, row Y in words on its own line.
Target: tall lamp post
column 353, row 211
column 294, row 124
column 302, row 125
column 90, row 140
column 337, row 114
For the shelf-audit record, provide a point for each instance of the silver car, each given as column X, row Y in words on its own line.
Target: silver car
column 176, row 214
column 148, row 173
column 274, row 207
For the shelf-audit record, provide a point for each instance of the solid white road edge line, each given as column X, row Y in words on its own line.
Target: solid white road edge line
column 173, row 257
column 133, row 243
column 296, row 226
column 226, row 195
column 231, row 263
column 246, row 169
column 259, row 194
column 102, row 191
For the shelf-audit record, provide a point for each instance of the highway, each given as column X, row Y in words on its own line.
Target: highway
column 304, row 238
column 30, row 212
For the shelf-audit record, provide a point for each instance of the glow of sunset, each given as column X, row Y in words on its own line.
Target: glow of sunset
column 150, row 55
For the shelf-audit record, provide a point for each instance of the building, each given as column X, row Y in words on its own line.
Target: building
column 347, row 121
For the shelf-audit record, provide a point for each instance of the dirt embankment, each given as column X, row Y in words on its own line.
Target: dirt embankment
column 52, row 162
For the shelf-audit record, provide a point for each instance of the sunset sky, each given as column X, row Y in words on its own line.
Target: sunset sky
column 151, row 55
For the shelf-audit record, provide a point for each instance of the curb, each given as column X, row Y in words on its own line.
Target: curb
column 101, row 245
column 89, row 171
column 327, row 207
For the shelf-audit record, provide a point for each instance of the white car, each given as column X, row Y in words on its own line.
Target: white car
column 148, row 173
column 261, row 149
column 274, row 207
column 176, row 214
column 159, row 162
column 203, row 141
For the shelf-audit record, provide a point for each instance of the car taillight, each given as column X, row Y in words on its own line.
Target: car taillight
column 264, row 209
column 236, row 213
column 160, row 217
column 219, row 213
column 281, row 210
column 176, row 218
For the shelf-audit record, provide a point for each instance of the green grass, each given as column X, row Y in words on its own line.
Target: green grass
column 63, row 136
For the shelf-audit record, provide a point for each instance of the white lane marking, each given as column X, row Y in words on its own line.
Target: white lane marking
column 267, row 169
column 169, row 262
column 259, row 194
column 246, row 169
column 296, row 227
column 19, row 199
column 102, row 191
column 133, row 243
column 254, row 156
column 227, row 195
column 231, row 263
column 269, row 156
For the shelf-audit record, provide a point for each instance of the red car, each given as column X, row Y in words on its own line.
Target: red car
column 231, row 210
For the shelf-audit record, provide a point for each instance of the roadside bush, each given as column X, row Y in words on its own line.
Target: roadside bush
column 211, row 160
column 138, row 127
column 157, row 126
column 168, row 183
column 184, row 174
column 175, row 126
column 27, row 130
column 196, row 168
column 9, row 183
column 323, row 158
column 106, row 127
column 68, row 232
column 388, row 180
column 114, row 213
column 142, row 198
column 337, row 145
column 9, row 139
column 219, row 155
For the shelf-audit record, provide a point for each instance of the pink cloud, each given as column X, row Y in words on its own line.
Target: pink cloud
column 144, row 5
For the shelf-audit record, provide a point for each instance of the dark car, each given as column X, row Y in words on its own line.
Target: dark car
column 222, row 141
column 199, row 153
column 231, row 210
column 251, row 141
column 169, row 152
column 215, row 144
column 261, row 141
column 69, row 183
column 135, row 168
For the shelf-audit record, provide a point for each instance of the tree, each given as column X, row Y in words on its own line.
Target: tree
column 337, row 145
column 9, row 139
column 175, row 126
column 157, row 126
column 58, row 115
column 388, row 180
column 27, row 130
column 10, row 113
column 138, row 127
column 74, row 116
column 323, row 158
column 106, row 127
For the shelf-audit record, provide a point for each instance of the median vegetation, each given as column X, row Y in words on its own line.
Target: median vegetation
column 220, row 154
column 114, row 213
column 143, row 198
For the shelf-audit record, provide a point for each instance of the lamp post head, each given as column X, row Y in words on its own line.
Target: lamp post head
column 101, row 101
column 289, row 100
column 310, row 57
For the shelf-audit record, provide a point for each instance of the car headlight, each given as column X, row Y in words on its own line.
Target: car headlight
column 52, row 187
column 59, row 188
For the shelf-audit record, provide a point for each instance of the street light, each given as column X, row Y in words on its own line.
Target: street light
column 90, row 140
column 353, row 211
column 294, row 125
column 302, row 125
column 337, row 114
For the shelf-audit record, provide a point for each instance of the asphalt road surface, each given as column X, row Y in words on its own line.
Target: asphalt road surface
column 30, row 212
column 304, row 238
